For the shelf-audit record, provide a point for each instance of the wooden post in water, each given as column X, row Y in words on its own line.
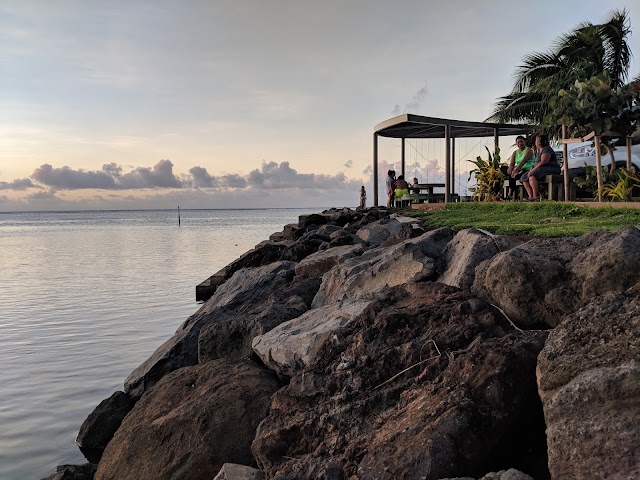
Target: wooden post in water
column 178, row 215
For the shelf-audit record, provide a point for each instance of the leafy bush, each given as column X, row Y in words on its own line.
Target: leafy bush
column 616, row 186
column 620, row 190
column 489, row 177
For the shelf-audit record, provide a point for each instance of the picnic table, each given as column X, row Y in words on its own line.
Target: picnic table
column 426, row 187
column 423, row 193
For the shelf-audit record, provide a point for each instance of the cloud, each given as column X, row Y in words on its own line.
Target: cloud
column 279, row 176
column 45, row 195
column 66, row 178
column 201, row 178
column 110, row 177
column 18, row 184
column 270, row 176
column 161, row 176
column 233, row 181
column 349, row 164
column 414, row 105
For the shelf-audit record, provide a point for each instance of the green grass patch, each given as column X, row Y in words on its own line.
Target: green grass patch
column 545, row 219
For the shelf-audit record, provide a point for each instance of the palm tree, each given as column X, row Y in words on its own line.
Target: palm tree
column 586, row 51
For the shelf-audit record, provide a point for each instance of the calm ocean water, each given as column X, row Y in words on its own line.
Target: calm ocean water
column 85, row 297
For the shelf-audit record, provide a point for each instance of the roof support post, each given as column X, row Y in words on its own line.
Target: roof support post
column 496, row 139
column 403, row 153
column 375, row 169
column 447, row 162
column 453, row 164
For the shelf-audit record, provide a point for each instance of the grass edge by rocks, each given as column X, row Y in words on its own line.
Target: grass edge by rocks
column 544, row 219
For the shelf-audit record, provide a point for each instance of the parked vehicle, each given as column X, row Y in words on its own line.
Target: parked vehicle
column 584, row 153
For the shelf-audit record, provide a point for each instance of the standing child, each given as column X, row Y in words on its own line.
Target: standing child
column 363, row 197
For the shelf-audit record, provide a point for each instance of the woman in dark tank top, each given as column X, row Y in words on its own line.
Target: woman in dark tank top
column 546, row 164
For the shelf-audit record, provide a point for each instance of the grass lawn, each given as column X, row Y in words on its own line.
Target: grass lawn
column 545, row 219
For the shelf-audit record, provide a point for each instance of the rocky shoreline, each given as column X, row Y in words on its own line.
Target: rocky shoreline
column 357, row 345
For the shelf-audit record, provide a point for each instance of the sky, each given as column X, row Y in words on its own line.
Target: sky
column 244, row 104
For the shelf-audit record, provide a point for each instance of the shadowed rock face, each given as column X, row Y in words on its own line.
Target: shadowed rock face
column 73, row 472
column 192, row 422
column 589, row 383
column 442, row 417
column 539, row 282
column 231, row 336
column 98, row 429
column 242, row 293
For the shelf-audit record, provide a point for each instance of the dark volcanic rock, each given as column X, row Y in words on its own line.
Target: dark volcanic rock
column 375, row 234
column 98, row 429
column 263, row 254
column 407, row 231
column 510, row 474
column 73, row 472
column 465, row 382
column 319, row 263
column 411, row 260
column 467, row 250
column 541, row 281
column 589, row 382
column 231, row 336
column 193, row 421
column 241, row 294
column 306, row 221
column 233, row 471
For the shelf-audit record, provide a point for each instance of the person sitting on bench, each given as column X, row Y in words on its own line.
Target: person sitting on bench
column 402, row 187
column 521, row 161
column 546, row 163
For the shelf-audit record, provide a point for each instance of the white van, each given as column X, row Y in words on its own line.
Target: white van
column 584, row 153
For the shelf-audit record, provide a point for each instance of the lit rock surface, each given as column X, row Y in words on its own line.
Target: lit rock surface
column 589, row 383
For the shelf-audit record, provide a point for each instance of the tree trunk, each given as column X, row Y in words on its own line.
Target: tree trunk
column 598, row 166
column 565, row 161
column 612, row 167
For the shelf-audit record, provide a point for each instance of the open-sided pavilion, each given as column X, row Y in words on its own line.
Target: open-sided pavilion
column 410, row 126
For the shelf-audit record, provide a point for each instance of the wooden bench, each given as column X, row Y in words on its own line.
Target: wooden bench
column 554, row 185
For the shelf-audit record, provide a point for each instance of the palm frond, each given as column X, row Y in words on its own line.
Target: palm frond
column 617, row 54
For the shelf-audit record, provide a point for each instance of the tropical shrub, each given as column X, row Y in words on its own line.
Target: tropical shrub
column 620, row 190
column 617, row 185
column 489, row 177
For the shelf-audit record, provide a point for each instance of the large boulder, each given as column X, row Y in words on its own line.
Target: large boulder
column 377, row 232
column 249, row 287
column 412, row 260
column 246, row 290
column 294, row 344
column 231, row 336
column 192, row 422
column 541, row 281
column 319, row 263
column 73, row 472
column 233, row 471
column 510, row 474
column 589, row 383
column 431, row 382
column 465, row 252
column 98, row 428
column 264, row 253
